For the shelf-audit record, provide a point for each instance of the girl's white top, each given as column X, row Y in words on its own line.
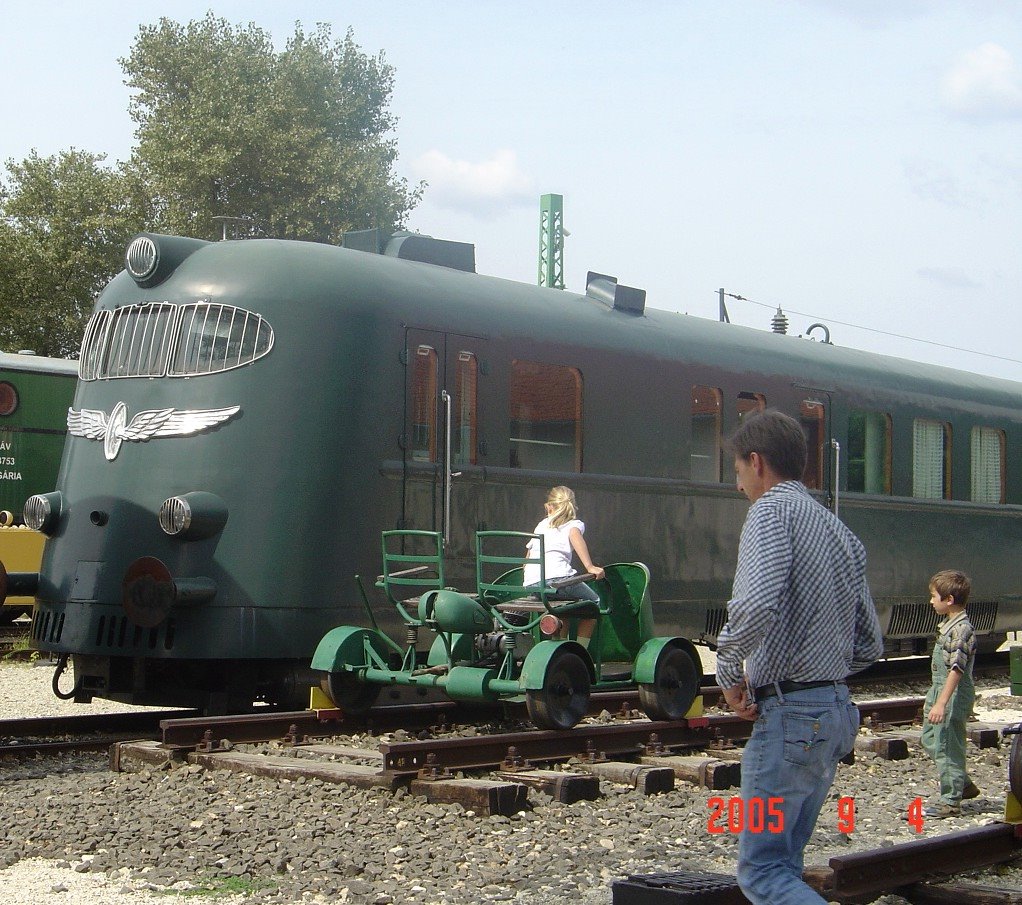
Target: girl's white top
column 556, row 548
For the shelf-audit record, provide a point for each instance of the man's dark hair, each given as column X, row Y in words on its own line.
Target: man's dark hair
column 777, row 437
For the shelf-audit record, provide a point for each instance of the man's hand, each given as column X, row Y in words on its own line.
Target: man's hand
column 936, row 714
column 737, row 697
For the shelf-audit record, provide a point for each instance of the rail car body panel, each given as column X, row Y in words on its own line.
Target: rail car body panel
column 35, row 392
column 337, row 435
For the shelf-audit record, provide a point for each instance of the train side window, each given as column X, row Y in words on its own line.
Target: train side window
column 704, row 454
column 987, row 465
column 213, row 338
column 869, row 452
column 424, row 396
column 931, row 459
column 812, row 416
column 750, row 402
column 546, row 416
column 464, row 413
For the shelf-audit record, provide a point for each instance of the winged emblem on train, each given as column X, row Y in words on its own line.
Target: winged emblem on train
column 115, row 428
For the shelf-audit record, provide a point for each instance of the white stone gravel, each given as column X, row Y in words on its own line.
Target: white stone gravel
column 25, row 692
column 36, row 880
column 321, row 835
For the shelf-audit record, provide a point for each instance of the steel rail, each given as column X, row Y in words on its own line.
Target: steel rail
column 594, row 741
column 587, row 740
column 49, row 726
column 870, row 873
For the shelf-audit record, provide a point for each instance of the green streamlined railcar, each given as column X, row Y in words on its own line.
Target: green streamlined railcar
column 35, row 393
column 252, row 414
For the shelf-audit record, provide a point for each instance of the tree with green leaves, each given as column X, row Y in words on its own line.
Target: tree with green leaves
column 293, row 144
column 66, row 221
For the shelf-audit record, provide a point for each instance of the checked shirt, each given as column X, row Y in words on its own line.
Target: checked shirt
column 800, row 609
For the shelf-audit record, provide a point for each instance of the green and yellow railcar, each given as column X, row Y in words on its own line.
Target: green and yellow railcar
column 35, row 393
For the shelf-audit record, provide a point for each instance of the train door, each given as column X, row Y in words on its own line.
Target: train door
column 822, row 449
column 441, row 482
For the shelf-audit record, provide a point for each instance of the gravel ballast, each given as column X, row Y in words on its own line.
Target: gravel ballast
column 76, row 833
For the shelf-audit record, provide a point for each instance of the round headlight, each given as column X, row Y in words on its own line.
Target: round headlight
column 8, row 398
column 141, row 258
column 175, row 515
column 193, row 516
column 41, row 512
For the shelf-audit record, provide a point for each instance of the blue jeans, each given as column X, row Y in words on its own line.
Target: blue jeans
column 580, row 591
column 792, row 757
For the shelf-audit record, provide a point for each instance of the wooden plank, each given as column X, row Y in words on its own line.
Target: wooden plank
column 887, row 745
column 485, row 797
column 135, row 756
column 358, row 775
column 707, row 772
column 646, row 779
column 566, row 788
column 348, row 751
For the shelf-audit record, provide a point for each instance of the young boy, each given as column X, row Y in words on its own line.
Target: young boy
column 949, row 700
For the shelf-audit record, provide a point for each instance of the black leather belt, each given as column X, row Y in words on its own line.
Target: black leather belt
column 787, row 687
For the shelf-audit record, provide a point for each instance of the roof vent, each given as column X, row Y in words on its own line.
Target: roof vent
column 414, row 247
column 606, row 289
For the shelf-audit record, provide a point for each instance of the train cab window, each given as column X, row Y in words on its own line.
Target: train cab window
column 132, row 341
column 214, row 338
column 546, row 416
column 155, row 339
column 931, row 459
column 463, row 414
column 424, row 396
column 704, row 455
column 812, row 414
column 750, row 402
column 869, row 452
column 987, row 465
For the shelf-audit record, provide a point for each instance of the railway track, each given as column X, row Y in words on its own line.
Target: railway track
column 636, row 752
column 81, row 732
column 98, row 731
column 505, row 766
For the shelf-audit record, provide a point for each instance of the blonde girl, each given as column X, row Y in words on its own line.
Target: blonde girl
column 562, row 532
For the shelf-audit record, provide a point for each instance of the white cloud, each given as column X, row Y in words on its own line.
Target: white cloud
column 483, row 188
column 951, row 277
column 985, row 83
column 934, row 182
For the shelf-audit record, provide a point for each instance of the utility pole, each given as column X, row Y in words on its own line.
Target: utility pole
column 551, row 241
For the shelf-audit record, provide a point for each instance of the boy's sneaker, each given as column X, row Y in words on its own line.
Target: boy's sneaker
column 940, row 810
column 971, row 790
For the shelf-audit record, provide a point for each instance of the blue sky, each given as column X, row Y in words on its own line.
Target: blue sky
column 857, row 162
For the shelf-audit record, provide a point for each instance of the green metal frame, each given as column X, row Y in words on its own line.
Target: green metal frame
column 455, row 665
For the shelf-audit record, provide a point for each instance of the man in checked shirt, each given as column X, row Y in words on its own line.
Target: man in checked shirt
column 800, row 621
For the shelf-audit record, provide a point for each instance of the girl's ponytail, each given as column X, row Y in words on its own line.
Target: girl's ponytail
column 563, row 500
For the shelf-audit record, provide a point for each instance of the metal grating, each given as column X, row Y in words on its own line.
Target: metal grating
column 47, row 626
column 912, row 619
column 683, row 887
column 716, row 618
column 120, row 633
column 983, row 615
column 919, row 619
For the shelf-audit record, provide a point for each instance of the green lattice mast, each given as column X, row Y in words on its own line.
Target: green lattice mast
column 551, row 241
